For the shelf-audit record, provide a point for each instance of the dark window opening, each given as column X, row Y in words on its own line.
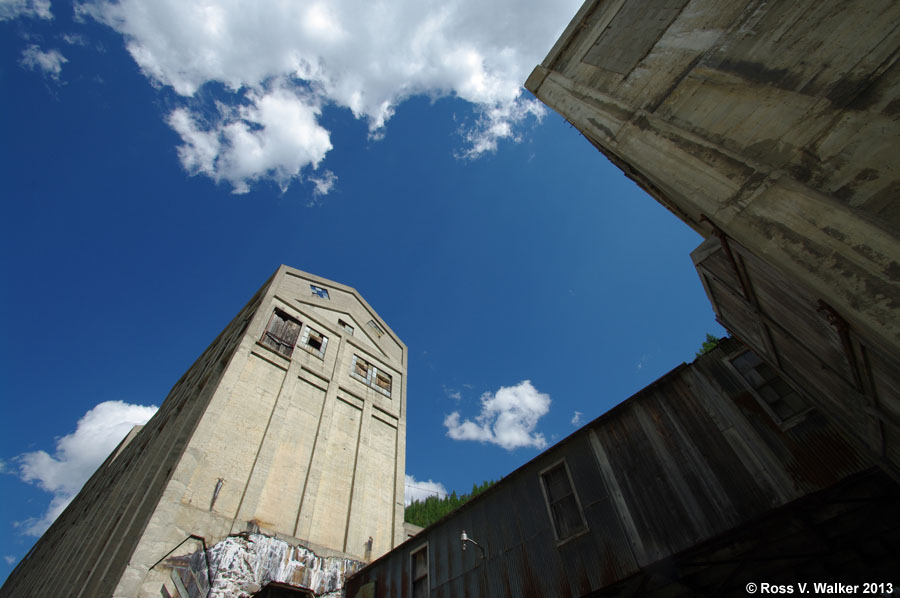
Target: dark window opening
column 282, row 590
column 281, row 333
column 565, row 512
column 314, row 342
column 776, row 395
column 419, row 569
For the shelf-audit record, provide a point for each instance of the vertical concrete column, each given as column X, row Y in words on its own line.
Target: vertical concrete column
column 361, row 469
column 318, row 462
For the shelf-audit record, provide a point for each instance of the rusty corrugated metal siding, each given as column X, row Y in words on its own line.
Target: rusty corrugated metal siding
column 685, row 461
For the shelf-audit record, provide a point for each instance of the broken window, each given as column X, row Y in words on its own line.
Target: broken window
column 379, row 332
column 319, row 292
column 776, row 396
column 562, row 503
column 371, row 376
column 419, row 572
column 314, row 342
column 281, row 333
column 347, row 327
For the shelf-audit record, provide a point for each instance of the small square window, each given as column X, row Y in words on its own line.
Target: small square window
column 319, row 292
column 379, row 332
column 419, row 572
column 347, row 327
column 314, row 342
column 562, row 503
column 281, row 333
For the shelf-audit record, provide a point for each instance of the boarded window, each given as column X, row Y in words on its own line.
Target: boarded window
column 370, row 375
column 347, row 327
column 361, row 367
column 565, row 511
column 778, row 397
column 314, row 342
column 419, row 572
column 319, row 291
column 281, row 333
column 379, row 332
column 383, row 381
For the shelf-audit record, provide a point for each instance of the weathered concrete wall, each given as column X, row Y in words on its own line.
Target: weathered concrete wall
column 777, row 121
column 292, row 440
column 86, row 550
column 249, row 439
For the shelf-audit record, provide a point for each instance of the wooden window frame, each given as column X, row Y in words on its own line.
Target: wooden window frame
column 275, row 342
column 561, row 463
column 412, row 569
column 785, row 423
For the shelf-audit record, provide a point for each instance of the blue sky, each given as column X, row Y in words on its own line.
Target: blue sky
column 155, row 177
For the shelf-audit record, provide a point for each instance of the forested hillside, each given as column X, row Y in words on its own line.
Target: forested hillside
column 426, row 512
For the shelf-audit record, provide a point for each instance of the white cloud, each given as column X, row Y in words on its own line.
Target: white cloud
column 576, row 419
column 274, row 135
column 420, row 490
column 13, row 9
column 368, row 57
column 50, row 62
column 508, row 418
column 452, row 393
column 77, row 456
column 75, row 39
column 10, row 559
column 323, row 184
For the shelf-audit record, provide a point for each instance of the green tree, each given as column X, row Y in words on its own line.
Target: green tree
column 425, row 512
column 708, row 345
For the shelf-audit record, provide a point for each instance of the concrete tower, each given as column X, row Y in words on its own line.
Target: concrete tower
column 292, row 423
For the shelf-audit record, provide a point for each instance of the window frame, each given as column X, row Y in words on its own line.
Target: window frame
column 785, row 423
column 268, row 336
column 550, row 514
column 371, row 377
column 304, row 342
column 376, row 327
column 320, row 292
column 412, row 569
column 345, row 326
